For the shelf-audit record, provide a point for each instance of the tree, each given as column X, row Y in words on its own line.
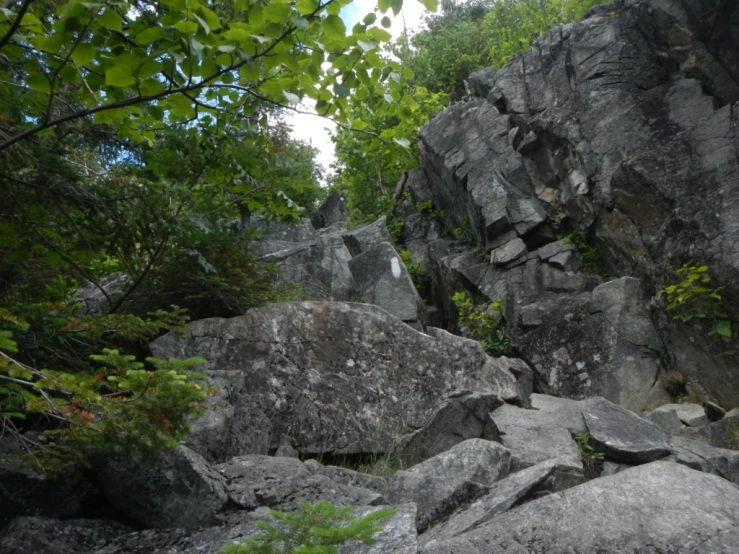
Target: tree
column 133, row 135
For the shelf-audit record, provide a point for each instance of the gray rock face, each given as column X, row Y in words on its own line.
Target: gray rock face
column 381, row 278
column 282, row 483
column 442, row 483
column 461, row 416
column 50, row 536
column 501, row 497
column 398, row 535
column 642, row 155
column 333, row 210
column 692, row 415
column 345, row 378
column 623, row 435
column 701, row 456
column 101, row 297
column 534, row 437
column 181, row 491
column 654, row 508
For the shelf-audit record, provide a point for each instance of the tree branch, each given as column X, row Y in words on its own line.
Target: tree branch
column 16, row 24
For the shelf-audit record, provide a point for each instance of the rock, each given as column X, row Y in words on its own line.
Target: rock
column 641, row 156
column 534, row 438
column 701, row 456
column 593, row 344
column 349, row 477
column 442, row 483
column 667, row 420
column 612, row 468
column 398, row 535
column 297, row 373
column 692, row 415
column 508, row 252
column 23, row 492
column 624, row 436
column 502, row 496
column 182, row 490
column 658, row 507
column 361, row 239
column 725, row 432
column 50, row 536
column 333, row 210
column 282, row 483
column 462, row 415
column 99, row 298
column 381, row 278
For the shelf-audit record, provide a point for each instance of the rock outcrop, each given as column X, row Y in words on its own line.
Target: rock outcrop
column 622, row 126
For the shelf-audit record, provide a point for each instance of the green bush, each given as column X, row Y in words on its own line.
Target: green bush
column 319, row 528
column 486, row 324
column 693, row 298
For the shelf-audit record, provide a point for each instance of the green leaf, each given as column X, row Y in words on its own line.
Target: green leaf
column 384, row 5
column 369, row 19
column 39, row 83
column 186, row 27
column 292, row 99
column 380, row 35
column 83, row 54
column 110, row 19
column 386, row 22
column 237, row 35
column 333, row 27
column 430, row 5
column 119, row 76
column 405, row 143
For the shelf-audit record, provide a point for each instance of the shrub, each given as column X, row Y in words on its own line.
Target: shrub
column 319, row 528
column 486, row 325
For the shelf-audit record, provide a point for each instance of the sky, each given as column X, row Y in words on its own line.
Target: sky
column 315, row 130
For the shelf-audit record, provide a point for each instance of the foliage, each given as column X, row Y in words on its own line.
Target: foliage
column 319, row 528
column 673, row 382
column 732, row 436
column 367, row 166
column 587, row 452
column 486, row 324
column 415, row 270
column 122, row 403
column 693, row 298
column 591, row 258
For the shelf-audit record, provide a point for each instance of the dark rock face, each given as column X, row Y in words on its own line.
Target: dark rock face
column 623, row 435
column 654, row 508
column 623, row 125
column 330, row 377
column 51, row 536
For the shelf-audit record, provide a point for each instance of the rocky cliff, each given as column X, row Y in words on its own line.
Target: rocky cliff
column 578, row 179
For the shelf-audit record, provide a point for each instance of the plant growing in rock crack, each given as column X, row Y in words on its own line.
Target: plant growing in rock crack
column 590, row 457
column 315, row 528
column 414, row 268
column 732, row 436
column 693, row 298
column 591, row 258
column 485, row 324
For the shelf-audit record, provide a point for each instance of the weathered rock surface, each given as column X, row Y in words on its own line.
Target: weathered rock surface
column 653, row 508
column 252, row 482
column 534, row 438
column 623, row 126
column 701, row 456
column 330, row 377
column 443, row 483
column 182, row 490
column 501, row 497
column 623, row 435
column 692, row 415
column 398, row 535
column 381, row 278
column 41, row 535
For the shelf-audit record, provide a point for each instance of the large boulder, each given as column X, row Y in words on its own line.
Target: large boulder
column 330, row 377
column 181, row 490
column 441, row 484
column 654, row 508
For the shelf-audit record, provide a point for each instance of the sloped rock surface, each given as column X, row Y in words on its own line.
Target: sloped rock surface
column 50, row 536
column 298, row 372
column 443, row 483
column 624, row 126
column 654, row 508
column 623, row 435
column 398, row 535
column 707, row 458
column 381, row 279
column 501, row 497
column 182, row 490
